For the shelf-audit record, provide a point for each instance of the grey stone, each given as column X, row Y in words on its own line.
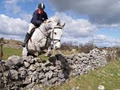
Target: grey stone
column 27, row 80
column 55, row 74
column 37, row 64
column 52, row 68
column 23, row 73
column 34, row 76
column 41, row 76
column 32, row 67
column 9, row 64
column 30, row 72
column 53, row 80
column 32, row 61
column 48, row 63
column 49, row 74
column 60, row 75
column 37, row 60
column 21, row 68
column 1, row 75
column 39, row 69
column 13, row 74
column 6, row 73
column 15, row 59
column 26, row 64
column 75, row 88
column 101, row 87
column 30, row 85
column 44, row 81
column 27, row 59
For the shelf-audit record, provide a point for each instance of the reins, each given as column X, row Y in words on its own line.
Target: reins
column 48, row 36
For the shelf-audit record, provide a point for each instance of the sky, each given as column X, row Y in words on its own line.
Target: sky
column 96, row 21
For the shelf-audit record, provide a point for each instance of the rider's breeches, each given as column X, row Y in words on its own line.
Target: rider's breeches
column 31, row 26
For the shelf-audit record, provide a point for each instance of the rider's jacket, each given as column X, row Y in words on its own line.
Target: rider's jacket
column 37, row 18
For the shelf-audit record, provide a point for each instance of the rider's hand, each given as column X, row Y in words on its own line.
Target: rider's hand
column 44, row 21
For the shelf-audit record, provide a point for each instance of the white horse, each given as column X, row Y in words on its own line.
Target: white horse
column 46, row 37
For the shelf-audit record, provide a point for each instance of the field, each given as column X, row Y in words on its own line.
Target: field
column 108, row 76
column 11, row 51
column 7, row 52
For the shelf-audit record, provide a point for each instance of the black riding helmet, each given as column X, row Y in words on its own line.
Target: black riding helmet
column 41, row 6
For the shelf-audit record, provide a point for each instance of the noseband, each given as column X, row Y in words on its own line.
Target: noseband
column 58, row 40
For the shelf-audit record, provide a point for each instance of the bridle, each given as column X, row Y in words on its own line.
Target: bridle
column 52, row 32
column 58, row 40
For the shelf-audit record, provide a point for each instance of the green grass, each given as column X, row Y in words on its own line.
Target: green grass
column 108, row 76
column 11, row 51
column 7, row 52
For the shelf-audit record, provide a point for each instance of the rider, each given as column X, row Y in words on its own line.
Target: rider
column 39, row 16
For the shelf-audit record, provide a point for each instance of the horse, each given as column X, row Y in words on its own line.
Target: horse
column 46, row 37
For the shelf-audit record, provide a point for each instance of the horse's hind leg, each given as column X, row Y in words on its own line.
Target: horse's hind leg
column 24, row 52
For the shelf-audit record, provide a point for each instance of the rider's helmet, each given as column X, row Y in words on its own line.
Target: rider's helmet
column 41, row 6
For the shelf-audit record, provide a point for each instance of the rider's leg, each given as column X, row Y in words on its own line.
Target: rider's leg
column 28, row 35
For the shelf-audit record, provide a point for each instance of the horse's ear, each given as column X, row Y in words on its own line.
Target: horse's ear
column 49, row 21
column 62, row 24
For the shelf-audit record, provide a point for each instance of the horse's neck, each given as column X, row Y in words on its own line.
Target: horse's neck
column 45, row 28
column 40, row 32
column 42, row 28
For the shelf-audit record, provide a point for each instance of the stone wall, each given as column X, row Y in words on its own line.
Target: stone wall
column 25, row 72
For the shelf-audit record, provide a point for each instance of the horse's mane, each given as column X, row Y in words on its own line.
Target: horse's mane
column 56, row 20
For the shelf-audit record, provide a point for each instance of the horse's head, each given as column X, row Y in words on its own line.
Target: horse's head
column 56, row 31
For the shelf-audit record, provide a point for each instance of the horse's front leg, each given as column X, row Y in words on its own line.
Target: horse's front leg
column 36, row 53
column 48, row 54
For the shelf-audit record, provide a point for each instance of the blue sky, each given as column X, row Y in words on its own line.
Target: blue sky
column 83, row 22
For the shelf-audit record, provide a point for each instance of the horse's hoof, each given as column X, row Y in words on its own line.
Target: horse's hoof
column 48, row 55
column 36, row 54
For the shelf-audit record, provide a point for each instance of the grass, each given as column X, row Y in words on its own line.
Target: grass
column 7, row 52
column 108, row 76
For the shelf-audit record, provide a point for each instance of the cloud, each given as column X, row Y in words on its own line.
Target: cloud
column 12, row 26
column 76, row 28
column 27, row 17
column 99, row 11
column 12, row 6
column 102, row 40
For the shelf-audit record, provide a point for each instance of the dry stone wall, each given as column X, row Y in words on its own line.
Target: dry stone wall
column 16, row 72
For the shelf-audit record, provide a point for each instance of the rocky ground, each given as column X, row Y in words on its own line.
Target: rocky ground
column 20, row 73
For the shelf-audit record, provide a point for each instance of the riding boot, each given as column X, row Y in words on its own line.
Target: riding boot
column 27, row 37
